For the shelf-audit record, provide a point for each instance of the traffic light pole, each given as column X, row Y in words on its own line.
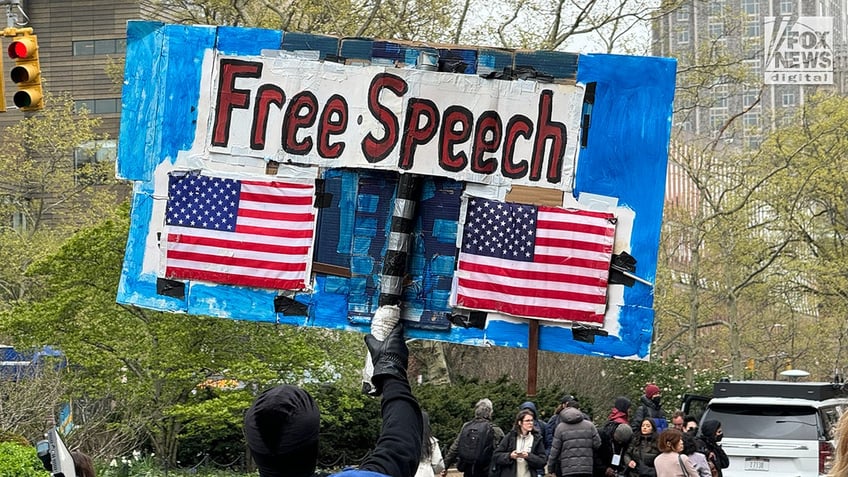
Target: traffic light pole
column 12, row 15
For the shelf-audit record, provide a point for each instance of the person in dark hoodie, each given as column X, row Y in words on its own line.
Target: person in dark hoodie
column 282, row 425
column 708, row 444
column 609, row 458
column 574, row 445
column 650, row 407
column 604, row 456
column 538, row 425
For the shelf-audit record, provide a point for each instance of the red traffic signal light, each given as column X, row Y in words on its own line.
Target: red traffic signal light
column 26, row 73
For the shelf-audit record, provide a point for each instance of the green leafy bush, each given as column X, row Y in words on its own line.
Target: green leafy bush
column 20, row 461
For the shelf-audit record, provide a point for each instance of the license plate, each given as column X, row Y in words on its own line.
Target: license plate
column 756, row 463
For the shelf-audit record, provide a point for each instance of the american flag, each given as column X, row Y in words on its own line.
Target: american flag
column 535, row 262
column 239, row 232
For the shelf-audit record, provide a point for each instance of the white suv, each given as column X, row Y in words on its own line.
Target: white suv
column 777, row 428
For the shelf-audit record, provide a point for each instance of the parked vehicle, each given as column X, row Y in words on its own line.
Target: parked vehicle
column 777, row 428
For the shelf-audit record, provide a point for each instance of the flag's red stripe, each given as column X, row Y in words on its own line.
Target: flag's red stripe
column 530, row 275
column 572, row 227
column 246, row 229
column 570, row 261
column 275, row 199
column 280, row 185
column 525, row 310
column 236, row 244
column 512, row 292
column 584, row 213
column 573, row 244
column 271, row 215
column 239, row 261
column 233, row 279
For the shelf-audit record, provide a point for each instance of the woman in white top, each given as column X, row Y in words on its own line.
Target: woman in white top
column 521, row 453
column 431, row 463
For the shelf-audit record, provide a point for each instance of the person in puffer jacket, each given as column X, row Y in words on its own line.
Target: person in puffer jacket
column 574, row 445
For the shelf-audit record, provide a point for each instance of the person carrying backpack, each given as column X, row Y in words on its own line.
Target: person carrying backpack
column 472, row 449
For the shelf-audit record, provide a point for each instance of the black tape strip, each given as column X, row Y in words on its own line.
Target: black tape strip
column 475, row 319
column 289, row 307
column 409, row 187
column 387, row 299
column 402, row 225
column 623, row 262
column 394, row 264
column 587, row 335
column 323, row 199
column 172, row 288
column 586, row 120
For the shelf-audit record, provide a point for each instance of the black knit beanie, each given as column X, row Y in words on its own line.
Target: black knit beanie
column 281, row 429
column 622, row 404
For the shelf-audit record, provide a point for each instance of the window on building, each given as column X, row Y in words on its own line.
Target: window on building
column 717, row 7
column 786, row 6
column 751, row 120
column 93, row 152
column 720, row 96
column 19, row 222
column 100, row 47
column 683, row 13
column 788, row 98
column 752, row 29
column 683, row 37
column 748, row 98
column 717, row 118
column 751, row 7
column 99, row 105
column 716, row 28
column 752, row 142
column 755, row 67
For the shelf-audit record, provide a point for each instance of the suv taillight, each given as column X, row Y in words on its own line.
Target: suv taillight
column 825, row 457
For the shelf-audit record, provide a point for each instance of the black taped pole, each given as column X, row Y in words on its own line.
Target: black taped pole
column 400, row 239
column 395, row 265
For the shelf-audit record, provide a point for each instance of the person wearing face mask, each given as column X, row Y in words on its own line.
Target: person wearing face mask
column 709, row 444
column 650, row 407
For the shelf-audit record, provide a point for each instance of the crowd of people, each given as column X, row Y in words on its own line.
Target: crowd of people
column 282, row 428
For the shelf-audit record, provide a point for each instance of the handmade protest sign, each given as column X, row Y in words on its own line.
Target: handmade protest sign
column 304, row 180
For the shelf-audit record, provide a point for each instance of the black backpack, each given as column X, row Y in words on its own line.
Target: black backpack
column 476, row 445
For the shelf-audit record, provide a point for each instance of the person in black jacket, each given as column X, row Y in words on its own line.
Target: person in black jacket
column 650, row 407
column 521, row 453
column 708, row 444
column 282, row 425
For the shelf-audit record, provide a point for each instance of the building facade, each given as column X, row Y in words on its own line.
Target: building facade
column 721, row 49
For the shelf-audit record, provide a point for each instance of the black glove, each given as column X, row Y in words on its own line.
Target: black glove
column 390, row 357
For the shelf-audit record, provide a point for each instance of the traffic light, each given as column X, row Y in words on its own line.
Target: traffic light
column 26, row 73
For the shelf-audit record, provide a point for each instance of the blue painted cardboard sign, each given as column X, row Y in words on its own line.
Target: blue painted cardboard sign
column 266, row 167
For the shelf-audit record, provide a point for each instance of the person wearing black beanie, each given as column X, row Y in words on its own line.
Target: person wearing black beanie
column 282, row 425
column 281, row 429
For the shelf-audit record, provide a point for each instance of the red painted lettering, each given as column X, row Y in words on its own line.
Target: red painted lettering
column 266, row 95
column 548, row 130
column 376, row 150
column 333, row 121
column 229, row 97
column 518, row 125
column 487, row 138
column 450, row 136
column 301, row 113
column 414, row 133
